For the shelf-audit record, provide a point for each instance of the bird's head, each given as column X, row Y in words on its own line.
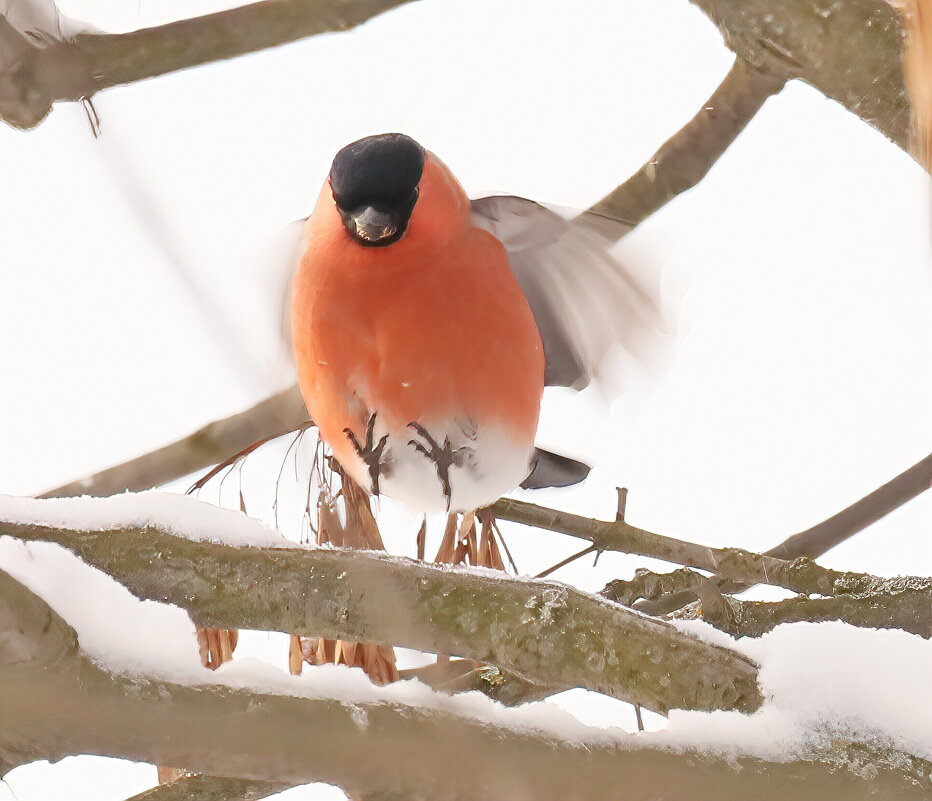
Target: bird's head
column 384, row 184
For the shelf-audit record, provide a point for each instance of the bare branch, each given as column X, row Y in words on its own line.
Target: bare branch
column 685, row 158
column 384, row 750
column 87, row 63
column 280, row 414
column 823, row 536
column 285, row 412
column 820, row 538
column 548, row 634
column 801, row 575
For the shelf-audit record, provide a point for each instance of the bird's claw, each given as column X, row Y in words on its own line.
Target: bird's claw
column 370, row 452
column 444, row 456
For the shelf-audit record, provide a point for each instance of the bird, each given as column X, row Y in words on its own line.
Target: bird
column 426, row 325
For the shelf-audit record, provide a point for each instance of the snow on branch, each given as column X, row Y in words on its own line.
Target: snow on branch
column 548, row 633
column 376, row 742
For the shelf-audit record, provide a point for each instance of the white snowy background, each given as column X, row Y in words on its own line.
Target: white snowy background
column 133, row 305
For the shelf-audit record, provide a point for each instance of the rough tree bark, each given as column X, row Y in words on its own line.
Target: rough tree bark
column 849, row 51
column 56, row 702
column 548, row 633
column 46, row 72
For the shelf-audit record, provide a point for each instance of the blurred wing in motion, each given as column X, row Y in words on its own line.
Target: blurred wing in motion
column 41, row 20
column 584, row 301
column 282, row 257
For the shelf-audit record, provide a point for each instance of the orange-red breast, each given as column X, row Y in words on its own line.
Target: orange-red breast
column 417, row 325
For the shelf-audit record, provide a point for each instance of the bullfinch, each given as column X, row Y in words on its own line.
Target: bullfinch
column 425, row 326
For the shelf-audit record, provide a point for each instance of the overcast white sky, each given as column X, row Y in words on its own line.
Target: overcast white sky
column 799, row 269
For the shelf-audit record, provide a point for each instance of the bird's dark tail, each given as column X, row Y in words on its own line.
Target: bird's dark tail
column 552, row 470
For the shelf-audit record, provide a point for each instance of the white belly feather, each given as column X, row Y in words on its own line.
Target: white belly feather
column 489, row 464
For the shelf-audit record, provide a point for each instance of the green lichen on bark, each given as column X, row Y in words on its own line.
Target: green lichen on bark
column 547, row 633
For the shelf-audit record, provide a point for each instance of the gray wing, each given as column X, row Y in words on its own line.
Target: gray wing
column 584, row 301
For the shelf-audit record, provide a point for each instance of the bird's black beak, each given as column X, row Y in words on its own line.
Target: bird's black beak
column 370, row 226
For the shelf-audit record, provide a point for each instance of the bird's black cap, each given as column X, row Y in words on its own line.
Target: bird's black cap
column 376, row 179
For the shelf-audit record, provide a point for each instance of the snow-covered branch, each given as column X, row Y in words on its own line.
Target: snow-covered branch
column 548, row 633
column 55, row 702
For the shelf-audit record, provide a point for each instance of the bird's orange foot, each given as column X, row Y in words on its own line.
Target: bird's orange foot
column 371, row 452
column 443, row 456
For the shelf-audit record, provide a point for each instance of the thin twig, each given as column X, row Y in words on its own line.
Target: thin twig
column 800, row 575
column 213, row 443
column 565, row 562
column 821, row 537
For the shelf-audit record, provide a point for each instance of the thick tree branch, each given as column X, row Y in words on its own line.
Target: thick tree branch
column 384, row 750
column 280, row 414
column 89, row 62
column 685, row 158
column 455, row 676
column 848, row 51
column 547, row 633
